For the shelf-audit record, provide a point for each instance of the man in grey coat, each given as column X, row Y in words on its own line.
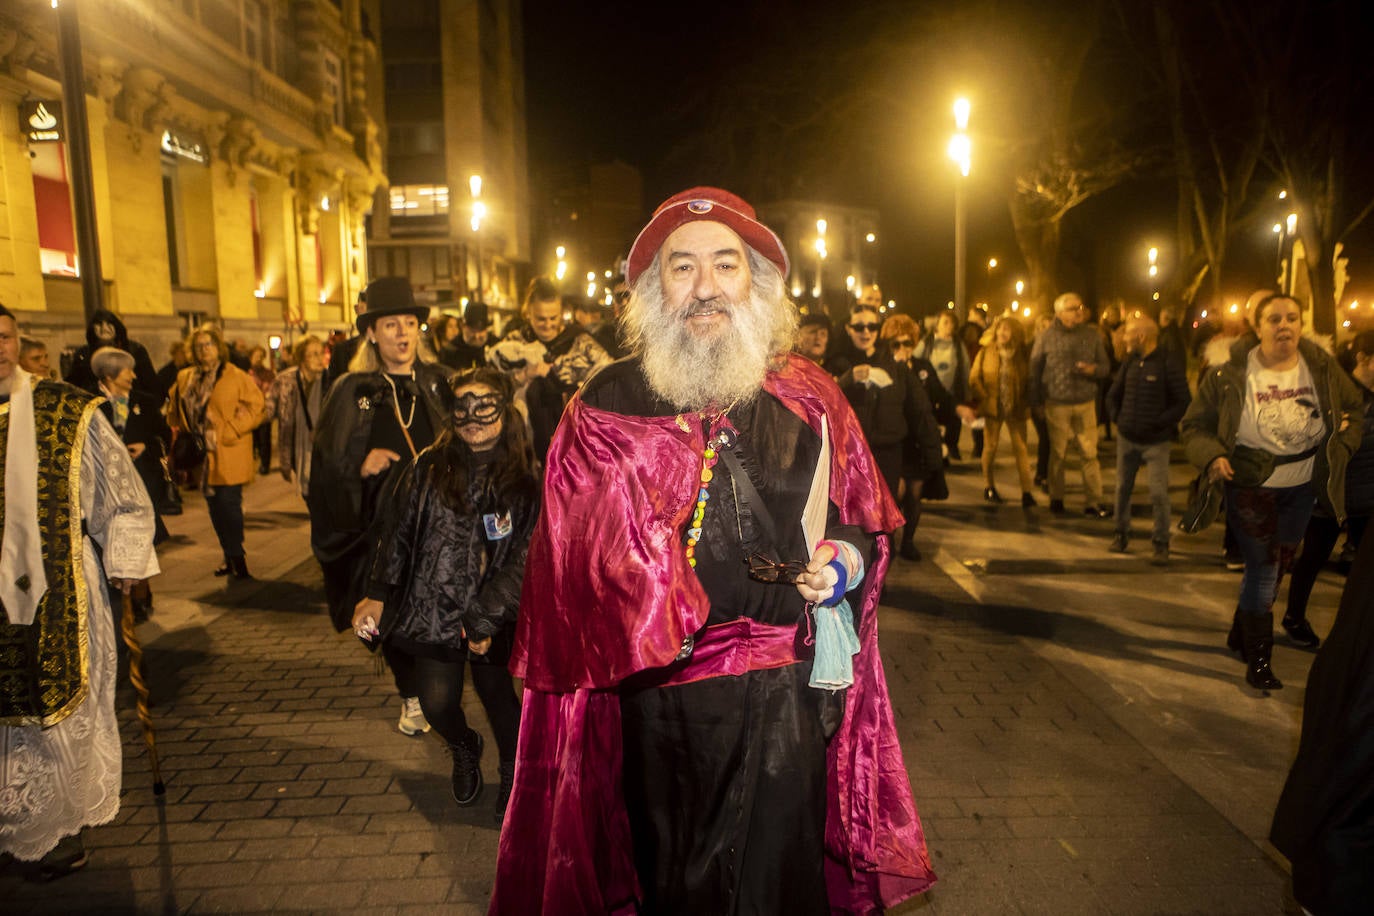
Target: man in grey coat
column 1067, row 365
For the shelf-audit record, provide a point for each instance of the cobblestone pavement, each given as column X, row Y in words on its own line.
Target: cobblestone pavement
column 1077, row 740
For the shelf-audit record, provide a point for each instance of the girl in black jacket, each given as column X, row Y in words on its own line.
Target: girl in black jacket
column 447, row 572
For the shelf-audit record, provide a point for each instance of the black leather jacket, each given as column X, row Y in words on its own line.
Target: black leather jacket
column 436, row 570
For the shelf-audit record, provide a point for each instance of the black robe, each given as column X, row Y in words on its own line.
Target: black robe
column 343, row 504
column 694, row 795
column 1324, row 822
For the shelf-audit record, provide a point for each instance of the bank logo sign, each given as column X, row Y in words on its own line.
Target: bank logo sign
column 41, row 121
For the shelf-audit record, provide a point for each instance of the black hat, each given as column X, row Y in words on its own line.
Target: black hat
column 476, row 315
column 814, row 318
column 389, row 296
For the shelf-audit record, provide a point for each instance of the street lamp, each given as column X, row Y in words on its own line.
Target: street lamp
column 479, row 211
column 960, row 151
column 562, row 269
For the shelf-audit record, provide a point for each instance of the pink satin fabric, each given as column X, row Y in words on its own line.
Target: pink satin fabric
column 608, row 593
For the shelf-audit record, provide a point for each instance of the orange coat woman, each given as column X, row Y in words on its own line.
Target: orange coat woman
column 221, row 405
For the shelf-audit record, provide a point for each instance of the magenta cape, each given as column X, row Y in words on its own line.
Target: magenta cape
column 608, row 593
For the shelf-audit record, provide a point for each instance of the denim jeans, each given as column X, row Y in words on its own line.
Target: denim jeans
column 226, row 516
column 1129, row 458
column 1268, row 525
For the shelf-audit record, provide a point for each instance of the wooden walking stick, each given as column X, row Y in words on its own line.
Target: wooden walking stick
column 126, row 627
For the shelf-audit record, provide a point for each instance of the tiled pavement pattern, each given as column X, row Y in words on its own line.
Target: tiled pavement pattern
column 289, row 787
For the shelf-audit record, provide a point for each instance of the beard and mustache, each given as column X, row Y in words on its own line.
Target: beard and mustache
column 720, row 366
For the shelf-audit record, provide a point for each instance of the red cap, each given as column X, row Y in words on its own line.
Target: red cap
column 703, row 204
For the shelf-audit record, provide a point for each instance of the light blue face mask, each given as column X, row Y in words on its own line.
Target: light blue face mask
column 836, row 646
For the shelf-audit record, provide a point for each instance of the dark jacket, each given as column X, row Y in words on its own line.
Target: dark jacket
column 145, row 374
column 887, row 415
column 1149, row 396
column 460, row 356
column 436, row 570
column 1359, row 475
column 1212, row 421
column 343, row 504
column 146, row 426
column 339, row 358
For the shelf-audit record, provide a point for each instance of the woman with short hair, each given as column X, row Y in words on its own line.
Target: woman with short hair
column 137, row 417
column 295, row 399
column 221, row 404
column 1276, row 425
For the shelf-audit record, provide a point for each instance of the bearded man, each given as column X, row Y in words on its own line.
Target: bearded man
column 709, row 503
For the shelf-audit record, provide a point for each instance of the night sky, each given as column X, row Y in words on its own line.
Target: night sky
column 852, row 102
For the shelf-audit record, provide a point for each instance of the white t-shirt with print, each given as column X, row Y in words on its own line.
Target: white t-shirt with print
column 1283, row 416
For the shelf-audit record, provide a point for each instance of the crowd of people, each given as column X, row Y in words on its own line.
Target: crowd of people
column 608, row 507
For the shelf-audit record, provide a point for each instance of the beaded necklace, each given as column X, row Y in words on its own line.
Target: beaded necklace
column 721, row 435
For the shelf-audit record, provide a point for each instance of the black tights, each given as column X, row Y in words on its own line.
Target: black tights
column 911, row 508
column 439, row 685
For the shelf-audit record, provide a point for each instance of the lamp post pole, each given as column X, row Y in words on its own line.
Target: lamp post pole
column 959, row 151
column 479, row 210
column 79, row 151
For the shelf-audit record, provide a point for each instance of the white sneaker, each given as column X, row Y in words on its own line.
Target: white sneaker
column 412, row 720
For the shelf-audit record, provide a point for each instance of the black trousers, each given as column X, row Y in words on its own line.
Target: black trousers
column 439, row 685
column 1317, row 544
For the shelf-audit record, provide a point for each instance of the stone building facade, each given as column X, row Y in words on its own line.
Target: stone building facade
column 236, row 149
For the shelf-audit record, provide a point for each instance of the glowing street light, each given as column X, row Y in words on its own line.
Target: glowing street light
column 1020, row 287
column 960, row 150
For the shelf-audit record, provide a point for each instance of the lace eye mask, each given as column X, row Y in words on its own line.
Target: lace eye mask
column 478, row 409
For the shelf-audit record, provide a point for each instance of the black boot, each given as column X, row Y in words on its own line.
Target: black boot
column 1257, row 632
column 1301, row 632
column 238, row 568
column 507, row 769
column 1234, row 642
column 467, row 769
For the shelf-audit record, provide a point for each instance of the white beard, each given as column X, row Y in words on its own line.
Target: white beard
column 721, row 367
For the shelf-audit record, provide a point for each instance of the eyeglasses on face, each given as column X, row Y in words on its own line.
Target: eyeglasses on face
column 905, row 342
column 762, row 569
column 861, row 328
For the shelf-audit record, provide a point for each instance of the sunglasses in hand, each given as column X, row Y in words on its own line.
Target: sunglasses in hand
column 762, row 569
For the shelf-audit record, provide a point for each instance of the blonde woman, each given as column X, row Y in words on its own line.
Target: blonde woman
column 998, row 382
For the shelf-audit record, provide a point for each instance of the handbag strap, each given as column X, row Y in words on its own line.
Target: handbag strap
column 748, row 495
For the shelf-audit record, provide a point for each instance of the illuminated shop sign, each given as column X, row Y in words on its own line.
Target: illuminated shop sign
column 183, row 147
column 41, row 121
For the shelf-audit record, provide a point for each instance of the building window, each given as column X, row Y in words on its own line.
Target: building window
column 419, row 200
column 333, row 84
column 253, row 44
column 284, row 47
column 169, row 218
column 255, row 215
column 415, row 139
column 53, row 200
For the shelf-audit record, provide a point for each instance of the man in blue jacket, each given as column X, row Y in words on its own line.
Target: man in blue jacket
column 1147, row 400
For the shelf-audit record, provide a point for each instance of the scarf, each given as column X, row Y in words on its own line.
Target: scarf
column 22, row 580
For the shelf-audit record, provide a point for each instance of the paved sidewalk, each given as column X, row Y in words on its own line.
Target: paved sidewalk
column 1074, row 738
